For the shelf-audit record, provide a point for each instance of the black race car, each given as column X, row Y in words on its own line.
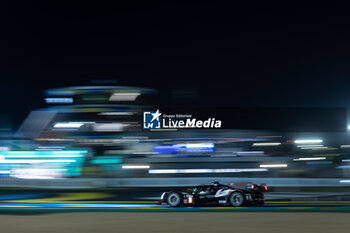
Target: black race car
column 216, row 194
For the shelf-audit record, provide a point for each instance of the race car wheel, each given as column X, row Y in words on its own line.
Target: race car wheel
column 174, row 199
column 236, row 199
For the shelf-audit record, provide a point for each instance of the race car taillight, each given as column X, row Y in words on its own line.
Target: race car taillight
column 263, row 187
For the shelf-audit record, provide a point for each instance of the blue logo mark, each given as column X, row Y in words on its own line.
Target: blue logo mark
column 151, row 120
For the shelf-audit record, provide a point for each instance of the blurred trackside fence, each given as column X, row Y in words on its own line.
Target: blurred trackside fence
column 82, row 183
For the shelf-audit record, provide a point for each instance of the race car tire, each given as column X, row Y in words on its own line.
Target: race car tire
column 236, row 199
column 174, row 199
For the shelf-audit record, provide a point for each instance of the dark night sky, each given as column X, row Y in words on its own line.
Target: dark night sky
column 233, row 54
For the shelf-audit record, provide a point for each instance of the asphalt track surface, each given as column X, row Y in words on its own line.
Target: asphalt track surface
column 41, row 211
column 135, row 222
